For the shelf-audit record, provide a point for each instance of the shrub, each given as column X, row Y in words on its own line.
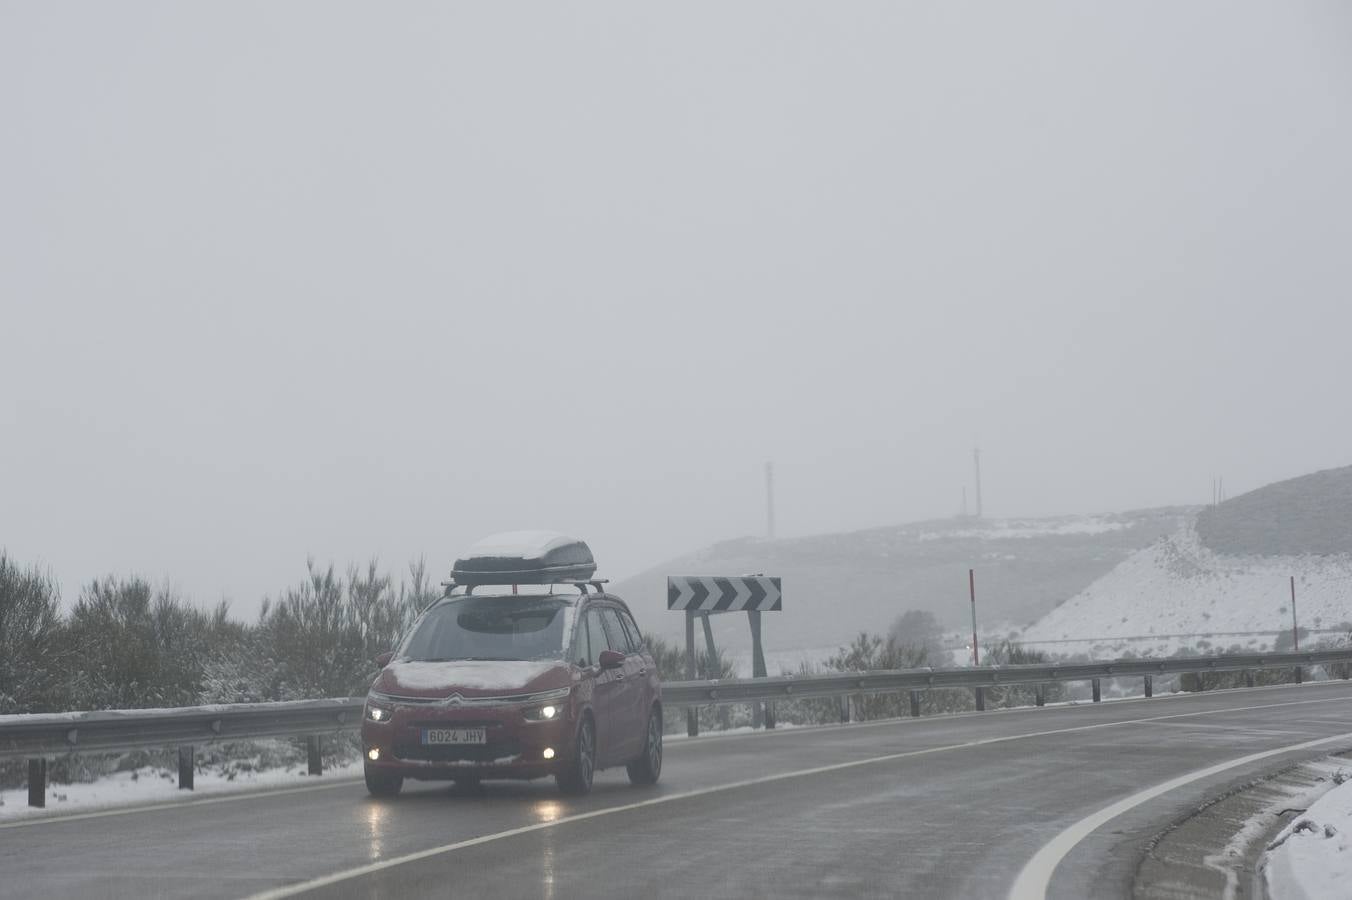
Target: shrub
column 33, row 649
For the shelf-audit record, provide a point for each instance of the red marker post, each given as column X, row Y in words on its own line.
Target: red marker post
column 971, row 586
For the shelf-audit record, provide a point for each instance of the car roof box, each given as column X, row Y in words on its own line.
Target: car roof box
column 525, row 557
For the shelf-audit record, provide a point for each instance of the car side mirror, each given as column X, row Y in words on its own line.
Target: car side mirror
column 611, row 659
column 383, row 659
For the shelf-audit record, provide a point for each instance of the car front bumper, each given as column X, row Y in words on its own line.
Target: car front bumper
column 515, row 746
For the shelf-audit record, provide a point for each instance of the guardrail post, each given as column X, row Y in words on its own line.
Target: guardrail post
column 980, row 699
column 915, row 704
column 313, row 748
column 1248, row 677
column 691, row 712
column 1300, row 675
column 770, row 714
column 185, row 767
column 844, row 709
column 1039, row 695
column 1149, row 686
column 1098, row 690
column 37, row 782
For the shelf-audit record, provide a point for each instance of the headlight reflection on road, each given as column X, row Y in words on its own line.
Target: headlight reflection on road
column 376, row 814
column 548, row 811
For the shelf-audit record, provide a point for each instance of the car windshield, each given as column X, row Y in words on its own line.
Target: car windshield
column 503, row 628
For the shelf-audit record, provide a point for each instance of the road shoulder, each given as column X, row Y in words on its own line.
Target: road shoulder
column 1215, row 849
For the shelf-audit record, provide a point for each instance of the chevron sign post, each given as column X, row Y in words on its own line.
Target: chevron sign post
column 700, row 593
column 703, row 595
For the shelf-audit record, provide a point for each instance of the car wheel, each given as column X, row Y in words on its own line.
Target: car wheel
column 577, row 777
column 383, row 784
column 648, row 767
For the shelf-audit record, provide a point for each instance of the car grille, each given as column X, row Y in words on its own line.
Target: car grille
column 459, row 752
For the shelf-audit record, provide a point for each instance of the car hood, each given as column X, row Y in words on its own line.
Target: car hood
column 471, row 678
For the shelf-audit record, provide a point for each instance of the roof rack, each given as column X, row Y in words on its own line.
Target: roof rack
column 580, row 583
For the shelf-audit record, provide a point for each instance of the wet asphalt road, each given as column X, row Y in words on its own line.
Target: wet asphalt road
column 937, row 807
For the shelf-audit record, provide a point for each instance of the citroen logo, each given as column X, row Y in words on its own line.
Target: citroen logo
column 454, row 700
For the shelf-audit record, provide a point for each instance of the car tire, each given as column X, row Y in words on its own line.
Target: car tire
column 383, row 784
column 576, row 778
column 648, row 767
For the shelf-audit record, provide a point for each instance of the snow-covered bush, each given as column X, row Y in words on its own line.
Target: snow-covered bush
column 33, row 647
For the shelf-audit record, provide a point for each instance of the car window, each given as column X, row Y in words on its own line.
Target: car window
column 596, row 637
column 619, row 638
column 635, row 636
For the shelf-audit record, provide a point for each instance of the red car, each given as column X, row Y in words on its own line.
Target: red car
column 525, row 668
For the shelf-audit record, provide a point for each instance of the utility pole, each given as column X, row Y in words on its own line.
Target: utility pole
column 770, row 500
column 964, row 501
column 1295, row 630
column 976, row 464
column 971, row 586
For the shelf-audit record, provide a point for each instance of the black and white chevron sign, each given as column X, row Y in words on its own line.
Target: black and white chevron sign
column 709, row 593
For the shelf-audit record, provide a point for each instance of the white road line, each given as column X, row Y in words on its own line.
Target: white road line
column 371, row 868
column 178, row 804
column 1036, row 875
column 1235, row 729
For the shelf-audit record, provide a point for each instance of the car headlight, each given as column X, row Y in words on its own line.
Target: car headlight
column 550, row 709
column 377, row 713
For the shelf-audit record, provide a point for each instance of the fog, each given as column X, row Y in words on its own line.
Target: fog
column 343, row 280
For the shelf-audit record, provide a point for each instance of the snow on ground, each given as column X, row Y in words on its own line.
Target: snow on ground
column 1179, row 587
column 156, row 786
column 1312, row 857
column 1005, row 529
column 1286, row 793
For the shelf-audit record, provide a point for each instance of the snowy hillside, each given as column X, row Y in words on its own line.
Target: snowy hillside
column 836, row 585
column 1178, row 586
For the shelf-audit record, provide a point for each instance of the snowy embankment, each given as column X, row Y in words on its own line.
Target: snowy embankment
column 1158, row 599
column 1312, row 857
column 153, row 786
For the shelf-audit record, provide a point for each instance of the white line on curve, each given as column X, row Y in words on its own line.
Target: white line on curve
column 292, row 890
column 1033, row 881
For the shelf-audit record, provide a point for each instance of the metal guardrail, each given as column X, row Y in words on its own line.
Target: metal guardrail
column 133, row 729
column 700, row 693
column 37, row 737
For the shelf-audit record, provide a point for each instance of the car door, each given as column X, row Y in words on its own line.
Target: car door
column 647, row 666
column 631, row 711
column 607, row 691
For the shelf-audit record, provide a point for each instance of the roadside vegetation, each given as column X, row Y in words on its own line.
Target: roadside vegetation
column 126, row 644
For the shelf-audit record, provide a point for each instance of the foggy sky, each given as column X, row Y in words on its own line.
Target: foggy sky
column 359, row 279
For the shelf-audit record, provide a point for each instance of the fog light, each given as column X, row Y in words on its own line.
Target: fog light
column 549, row 753
column 373, row 754
column 548, row 712
column 377, row 714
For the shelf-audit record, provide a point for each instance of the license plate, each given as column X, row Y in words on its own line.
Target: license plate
column 454, row 736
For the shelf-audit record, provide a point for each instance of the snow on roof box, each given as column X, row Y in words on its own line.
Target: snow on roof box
column 525, row 557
